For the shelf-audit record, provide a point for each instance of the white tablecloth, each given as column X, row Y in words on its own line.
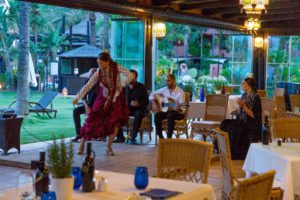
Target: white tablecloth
column 197, row 109
column 285, row 160
column 121, row 185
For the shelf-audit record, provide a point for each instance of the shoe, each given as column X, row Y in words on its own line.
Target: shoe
column 81, row 148
column 133, row 142
column 119, row 140
column 109, row 151
column 76, row 139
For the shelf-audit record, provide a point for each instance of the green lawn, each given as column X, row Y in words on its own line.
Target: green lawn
column 43, row 127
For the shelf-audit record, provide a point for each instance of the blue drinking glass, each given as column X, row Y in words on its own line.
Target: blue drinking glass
column 48, row 196
column 141, row 178
column 76, row 172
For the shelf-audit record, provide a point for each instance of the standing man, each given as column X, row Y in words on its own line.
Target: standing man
column 178, row 96
column 88, row 102
column 137, row 101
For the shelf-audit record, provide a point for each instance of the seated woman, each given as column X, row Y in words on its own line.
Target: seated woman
column 247, row 128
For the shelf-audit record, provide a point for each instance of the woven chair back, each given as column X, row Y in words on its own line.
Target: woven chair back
column 216, row 107
column 225, row 159
column 268, row 106
column 295, row 102
column 183, row 159
column 286, row 128
column 256, row 188
column 262, row 93
column 280, row 104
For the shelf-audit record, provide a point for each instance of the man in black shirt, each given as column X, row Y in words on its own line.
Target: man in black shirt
column 137, row 101
column 88, row 102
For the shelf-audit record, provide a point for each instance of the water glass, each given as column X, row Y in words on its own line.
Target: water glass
column 48, row 196
column 141, row 178
column 76, row 172
column 25, row 186
column 296, row 109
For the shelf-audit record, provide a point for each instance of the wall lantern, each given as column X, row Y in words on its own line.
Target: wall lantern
column 259, row 42
column 252, row 24
column 254, row 6
column 159, row 30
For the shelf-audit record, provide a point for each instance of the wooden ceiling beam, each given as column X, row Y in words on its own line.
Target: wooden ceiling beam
column 280, row 17
column 136, row 10
column 208, row 4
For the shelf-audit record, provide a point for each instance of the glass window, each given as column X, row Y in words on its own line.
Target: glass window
column 202, row 56
column 283, row 63
column 128, row 44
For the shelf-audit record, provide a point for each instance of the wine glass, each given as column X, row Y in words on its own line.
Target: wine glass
column 25, row 186
column 141, row 178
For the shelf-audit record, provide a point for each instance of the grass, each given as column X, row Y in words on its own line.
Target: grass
column 43, row 127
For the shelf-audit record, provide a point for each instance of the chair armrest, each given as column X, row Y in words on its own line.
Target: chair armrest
column 35, row 103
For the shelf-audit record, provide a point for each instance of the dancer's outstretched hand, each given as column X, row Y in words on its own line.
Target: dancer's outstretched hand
column 75, row 101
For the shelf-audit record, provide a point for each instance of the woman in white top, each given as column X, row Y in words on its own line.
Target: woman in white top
column 110, row 110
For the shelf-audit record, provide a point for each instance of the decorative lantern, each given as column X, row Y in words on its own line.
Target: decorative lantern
column 159, row 30
column 259, row 42
column 252, row 24
column 1, row 87
column 254, row 6
column 65, row 92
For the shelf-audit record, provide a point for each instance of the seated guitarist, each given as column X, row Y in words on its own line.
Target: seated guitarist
column 176, row 113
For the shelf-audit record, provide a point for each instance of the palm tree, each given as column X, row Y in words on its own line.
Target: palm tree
column 23, row 68
column 7, row 30
column 106, row 31
column 92, row 19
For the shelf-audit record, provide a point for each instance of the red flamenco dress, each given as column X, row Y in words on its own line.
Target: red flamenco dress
column 109, row 109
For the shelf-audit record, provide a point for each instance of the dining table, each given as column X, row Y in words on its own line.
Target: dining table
column 120, row 186
column 197, row 109
column 284, row 159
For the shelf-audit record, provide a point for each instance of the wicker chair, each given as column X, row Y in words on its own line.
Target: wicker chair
column 215, row 112
column 181, row 126
column 145, row 125
column 267, row 105
column 229, row 89
column 286, row 128
column 183, row 159
column 255, row 188
column 280, row 107
column 262, row 93
column 295, row 101
column 279, row 92
column 229, row 179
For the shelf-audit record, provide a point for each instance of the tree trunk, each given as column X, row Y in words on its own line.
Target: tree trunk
column 92, row 19
column 106, row 32
column 23, row 67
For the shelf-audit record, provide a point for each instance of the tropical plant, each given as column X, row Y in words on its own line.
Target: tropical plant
column 60, row 158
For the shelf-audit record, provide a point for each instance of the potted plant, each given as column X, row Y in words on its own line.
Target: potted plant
column 60, row 159
column 188, row 85
column 218, row 84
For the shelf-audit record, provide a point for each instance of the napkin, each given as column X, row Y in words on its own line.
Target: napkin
column 159, row 193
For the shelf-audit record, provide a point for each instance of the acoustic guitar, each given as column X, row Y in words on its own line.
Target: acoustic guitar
column 165, row 104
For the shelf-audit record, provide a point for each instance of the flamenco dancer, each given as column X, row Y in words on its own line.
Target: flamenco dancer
column 109, row 110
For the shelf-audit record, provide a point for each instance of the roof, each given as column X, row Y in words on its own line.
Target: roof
column 282, row 17
column 86, row 51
